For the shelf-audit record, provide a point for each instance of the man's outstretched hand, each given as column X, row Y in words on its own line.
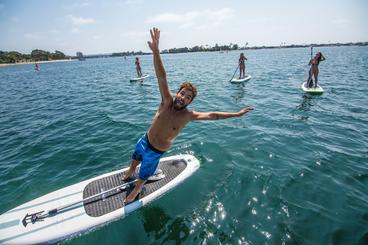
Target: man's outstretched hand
column 245, row 110
column 155, row 36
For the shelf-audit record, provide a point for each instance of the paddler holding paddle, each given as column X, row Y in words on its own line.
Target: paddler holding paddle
column 314, row 69
column 242, row 60
column 138, row 67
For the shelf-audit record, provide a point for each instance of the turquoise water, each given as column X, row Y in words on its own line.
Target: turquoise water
column 293, row 171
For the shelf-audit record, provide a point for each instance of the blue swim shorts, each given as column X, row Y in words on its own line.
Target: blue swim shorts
column 149, row 156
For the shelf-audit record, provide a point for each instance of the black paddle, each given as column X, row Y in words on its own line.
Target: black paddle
column 310, row 82
column 234, row 73
column 39, row 216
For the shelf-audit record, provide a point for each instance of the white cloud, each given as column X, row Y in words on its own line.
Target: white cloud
column 187, row 25
column 260, row 20
column 75, row 30
column 77, row 6
column 201, row 19
column 135, row 34
column 75, row 20
column 54, row 31
column 166, row 17
column 132, row 2
column 33, row 36
column 341, row 21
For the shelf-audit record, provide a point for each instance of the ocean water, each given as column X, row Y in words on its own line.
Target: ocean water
column 293, row 171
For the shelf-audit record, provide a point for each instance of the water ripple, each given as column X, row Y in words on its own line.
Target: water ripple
column 293, row 171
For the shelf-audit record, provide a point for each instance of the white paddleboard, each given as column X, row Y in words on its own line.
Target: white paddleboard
column 17, row 226
column 138, row 79
column 312, row 90
column 236, row 80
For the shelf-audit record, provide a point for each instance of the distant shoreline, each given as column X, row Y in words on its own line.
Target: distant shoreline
column 195, row 49
column 226, row 48
column 33, row 62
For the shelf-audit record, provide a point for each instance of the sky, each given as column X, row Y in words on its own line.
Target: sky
column 95, row 27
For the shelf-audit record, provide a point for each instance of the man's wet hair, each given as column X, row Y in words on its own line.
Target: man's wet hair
column 190, row 87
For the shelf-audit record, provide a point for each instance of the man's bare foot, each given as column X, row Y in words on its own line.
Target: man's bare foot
column 131, row 197
column 131, row 170
column 125, row 177
column 135, row 192
column 129, row 200
column 127, row 174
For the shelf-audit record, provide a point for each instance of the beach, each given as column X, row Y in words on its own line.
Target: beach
column 38, row 62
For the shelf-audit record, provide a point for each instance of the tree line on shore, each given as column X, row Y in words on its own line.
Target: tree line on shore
column 128, row 53
column 35, row 55
column 204, row 48
column 41, row 55
column 221, row 48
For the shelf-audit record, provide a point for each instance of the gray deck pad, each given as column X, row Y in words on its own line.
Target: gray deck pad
column 109, row 202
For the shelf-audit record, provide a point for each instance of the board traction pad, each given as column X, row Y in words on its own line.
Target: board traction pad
column 113, row 200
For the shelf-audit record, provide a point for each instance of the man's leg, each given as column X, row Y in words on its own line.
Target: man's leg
column 133, row 165
column 137, row 189
column 150, row 161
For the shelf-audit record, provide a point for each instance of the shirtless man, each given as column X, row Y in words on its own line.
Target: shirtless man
column 171, row 117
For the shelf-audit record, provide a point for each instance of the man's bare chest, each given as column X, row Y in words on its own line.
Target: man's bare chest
column 171, row 121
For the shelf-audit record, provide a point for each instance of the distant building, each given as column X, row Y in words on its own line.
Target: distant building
column 80, row 56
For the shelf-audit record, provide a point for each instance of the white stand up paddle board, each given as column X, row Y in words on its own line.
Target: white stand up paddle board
column 236, row 80
column 312, row 90
column 88, row 204
column 139, row 79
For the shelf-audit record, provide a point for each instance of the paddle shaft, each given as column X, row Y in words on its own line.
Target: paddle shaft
column 235, row 72
column 56, row 210
column 311, row 52
column 39, row 216
column 310, row 69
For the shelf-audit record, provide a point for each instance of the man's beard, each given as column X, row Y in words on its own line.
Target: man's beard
column 178, row 106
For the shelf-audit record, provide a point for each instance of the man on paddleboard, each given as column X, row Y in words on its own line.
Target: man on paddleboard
column 171, row 117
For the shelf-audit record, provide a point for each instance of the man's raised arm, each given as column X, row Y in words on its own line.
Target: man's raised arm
column 159, row 67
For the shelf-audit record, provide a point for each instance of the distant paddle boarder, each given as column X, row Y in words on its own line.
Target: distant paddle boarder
column 138, row 67
column 314, row 62
column 37, row 68
column 171, row 117
column 242, row 60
